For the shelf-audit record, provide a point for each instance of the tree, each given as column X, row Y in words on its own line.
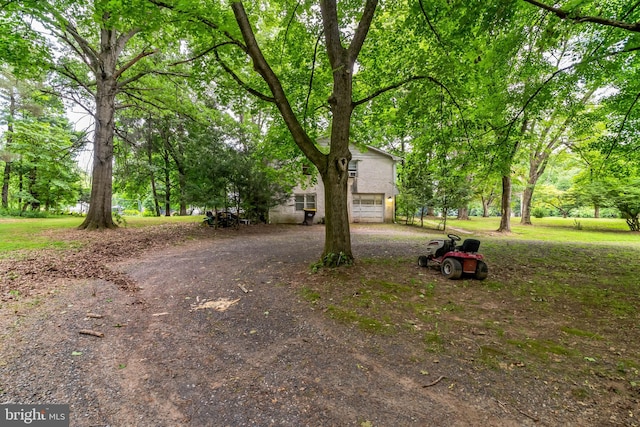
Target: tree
column 111, row 41
column 38, row 148
column 342, row 50
column 547, row 139
column 625, row 196
column 562, row 200
column 333, row 166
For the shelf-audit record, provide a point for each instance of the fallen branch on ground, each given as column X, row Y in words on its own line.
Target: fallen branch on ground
column 431, row 384
column 90, row 332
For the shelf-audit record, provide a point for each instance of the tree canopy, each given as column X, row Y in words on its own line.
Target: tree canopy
column 215, row 104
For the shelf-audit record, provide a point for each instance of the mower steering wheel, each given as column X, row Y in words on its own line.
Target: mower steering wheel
column 454, row 237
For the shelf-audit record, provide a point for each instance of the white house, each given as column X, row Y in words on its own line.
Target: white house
column 371, row 191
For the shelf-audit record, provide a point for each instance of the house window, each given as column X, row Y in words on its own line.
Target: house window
column 353, row 169
column 305, row 201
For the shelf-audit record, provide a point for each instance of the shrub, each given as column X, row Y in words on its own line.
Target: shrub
column 539, row 212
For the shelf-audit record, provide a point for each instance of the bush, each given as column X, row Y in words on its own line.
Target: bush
column 539, row 212
column 131, row 212
column 23, row 214
column 588, row 212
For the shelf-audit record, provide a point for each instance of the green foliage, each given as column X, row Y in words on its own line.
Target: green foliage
column 119, row 219
column 480, row 90
column 625, row 196
column 37, row 149
column 539, row 212
column 336, row 260
column 20, row 213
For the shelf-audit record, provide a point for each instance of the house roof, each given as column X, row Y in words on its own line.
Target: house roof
column 384, row 153
column 325, row 142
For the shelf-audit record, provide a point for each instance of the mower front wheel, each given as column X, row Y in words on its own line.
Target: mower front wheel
column 423, row 261
column 451, row 268
column 481, row 270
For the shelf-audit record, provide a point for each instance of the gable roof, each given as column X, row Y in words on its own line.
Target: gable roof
column 382, row 152
column 325, row 143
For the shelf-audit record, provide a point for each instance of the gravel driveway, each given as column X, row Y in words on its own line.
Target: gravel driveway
column 218, row 335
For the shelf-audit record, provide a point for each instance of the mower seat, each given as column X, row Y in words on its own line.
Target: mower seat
column 470, row 245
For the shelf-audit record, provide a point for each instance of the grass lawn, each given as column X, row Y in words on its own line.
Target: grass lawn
column 607, row 230
column 559, row 307
column 29, row 233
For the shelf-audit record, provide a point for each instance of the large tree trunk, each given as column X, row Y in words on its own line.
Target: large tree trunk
column 485, row 207
column 167, row 184
column 337, row 233
column 6, row 177
column 505, row 209
column 463, row 213
column 182, row 183
column 335, row 177
column 99, row 215
column 334, row 166
column 527, row 196
column 152, row 175
column 5, row 184
column 537, row 164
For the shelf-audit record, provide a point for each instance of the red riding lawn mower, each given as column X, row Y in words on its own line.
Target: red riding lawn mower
column 454, row 261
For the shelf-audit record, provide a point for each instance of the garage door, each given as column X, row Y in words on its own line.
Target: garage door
column 368, row 208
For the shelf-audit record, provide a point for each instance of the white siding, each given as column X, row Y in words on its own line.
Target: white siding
column 375, row 176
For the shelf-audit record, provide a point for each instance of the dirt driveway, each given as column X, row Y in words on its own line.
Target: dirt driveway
column 218, row 335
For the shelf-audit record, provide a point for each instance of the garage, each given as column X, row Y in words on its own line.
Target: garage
column 368, row 208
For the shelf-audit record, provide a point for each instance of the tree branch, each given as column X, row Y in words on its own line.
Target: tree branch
column 123, row 38
column 90, row 111
column 363, row 29
column 313, row 69
column 433, row 30
column 65, row 71
column 391, row 87
column 197, row 56
column 621, row 128
column 83, row 44
column 411, row 79
column 240, row 82
column 566, row 15
column 199, row 19
column 286, row 31
column 143, row 101
column 331, row 31
column 132, row 62
column 560, row 71
column 261, row 65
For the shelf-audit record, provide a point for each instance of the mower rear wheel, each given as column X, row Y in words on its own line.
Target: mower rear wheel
column 423, row 261
column 451, row 268
column 481, row 270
